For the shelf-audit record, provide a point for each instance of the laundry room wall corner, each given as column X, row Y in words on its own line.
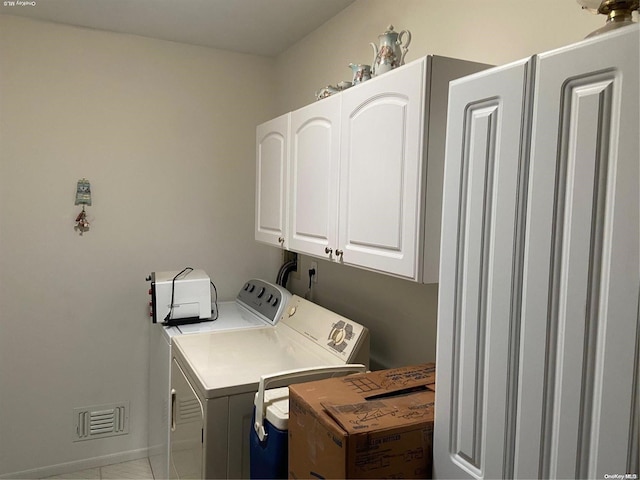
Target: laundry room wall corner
column 155, row 127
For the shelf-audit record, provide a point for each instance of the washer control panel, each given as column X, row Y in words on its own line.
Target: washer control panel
column 265, row 299
column 334, row 333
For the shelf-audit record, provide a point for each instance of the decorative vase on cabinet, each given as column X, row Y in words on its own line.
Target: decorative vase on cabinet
column 538, row 322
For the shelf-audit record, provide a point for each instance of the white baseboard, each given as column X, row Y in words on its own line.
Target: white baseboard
column 75, row 466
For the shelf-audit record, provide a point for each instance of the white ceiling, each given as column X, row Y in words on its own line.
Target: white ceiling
column 261, row 27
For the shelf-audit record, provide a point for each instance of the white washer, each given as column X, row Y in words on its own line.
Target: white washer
column 215, row 378
column 259, row 304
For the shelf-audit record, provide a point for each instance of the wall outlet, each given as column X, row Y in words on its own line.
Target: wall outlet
column 314, row 266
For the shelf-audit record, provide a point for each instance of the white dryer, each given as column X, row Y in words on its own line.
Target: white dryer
column 259, row 304
column 215, row 378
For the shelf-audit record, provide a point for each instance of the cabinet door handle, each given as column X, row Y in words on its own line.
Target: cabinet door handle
column 281, row 239
column 173, row 409
column 339, row 253
column 328, row 250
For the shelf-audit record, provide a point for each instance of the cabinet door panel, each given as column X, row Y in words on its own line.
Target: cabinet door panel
column 382, row 172
column 482, row 212
column 272, row 160
column 315, row 151
column 374, row 198
column 582, row 265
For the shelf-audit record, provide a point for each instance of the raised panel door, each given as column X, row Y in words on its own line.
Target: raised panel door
column 315, row 156
column 479, row 273
column 272, row 163
column 578, row 399
column 381, row 172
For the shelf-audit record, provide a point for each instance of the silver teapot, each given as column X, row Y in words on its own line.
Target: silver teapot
column 391, row 52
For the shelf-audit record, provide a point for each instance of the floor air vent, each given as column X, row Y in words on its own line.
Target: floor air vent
column 101, row 421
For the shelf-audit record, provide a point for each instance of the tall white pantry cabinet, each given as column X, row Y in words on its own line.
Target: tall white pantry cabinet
column 538, row 324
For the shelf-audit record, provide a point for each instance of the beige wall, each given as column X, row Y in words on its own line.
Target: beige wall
column 165, row 133
column 400, row 314
column 486, row 31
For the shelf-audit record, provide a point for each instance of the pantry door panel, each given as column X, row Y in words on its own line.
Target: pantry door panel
column 578, row 398
column 480, row 274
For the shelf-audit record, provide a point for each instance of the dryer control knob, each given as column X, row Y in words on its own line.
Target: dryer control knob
column 338, row 335
column 292, row 311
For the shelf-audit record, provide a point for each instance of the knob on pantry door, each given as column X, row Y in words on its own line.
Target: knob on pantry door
column 339, row 253
column 328, row 250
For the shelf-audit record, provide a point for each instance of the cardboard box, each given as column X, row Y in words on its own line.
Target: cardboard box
column 372, row 425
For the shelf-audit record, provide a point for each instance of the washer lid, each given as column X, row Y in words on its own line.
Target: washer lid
column 230, row 316
column 231, row 362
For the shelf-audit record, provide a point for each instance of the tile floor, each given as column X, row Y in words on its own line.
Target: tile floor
column 135, row 469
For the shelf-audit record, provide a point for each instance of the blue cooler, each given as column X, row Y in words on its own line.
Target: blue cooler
column 269, row 457
column 268, row 442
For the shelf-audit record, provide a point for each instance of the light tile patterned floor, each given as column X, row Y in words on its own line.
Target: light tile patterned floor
column 135, row 469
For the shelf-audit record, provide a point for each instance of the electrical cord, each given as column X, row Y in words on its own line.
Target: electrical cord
column 167, row 319
column 312, row 273
column 309, row 294
column 215, row 301
column 285, row 270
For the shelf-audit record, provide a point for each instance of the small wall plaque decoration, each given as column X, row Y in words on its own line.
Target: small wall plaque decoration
column 83, row 192
column 83, row 197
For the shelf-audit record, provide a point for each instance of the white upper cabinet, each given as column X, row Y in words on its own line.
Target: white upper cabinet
column 272, row 163
column 315, row 157
column 538, row 324
column 365, row 178
column 382, row 172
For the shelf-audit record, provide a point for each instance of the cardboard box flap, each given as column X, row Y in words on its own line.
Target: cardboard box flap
column 405, row 377
column 387, row 412
column 387, row 382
